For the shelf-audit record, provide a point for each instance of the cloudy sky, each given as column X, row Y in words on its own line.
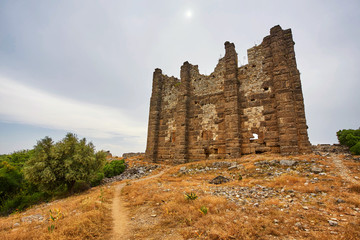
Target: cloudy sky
column 86, row 66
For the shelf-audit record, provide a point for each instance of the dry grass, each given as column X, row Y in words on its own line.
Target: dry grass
column 355, row 188
column 304, row 215
column 85, row 216
column 158, row 209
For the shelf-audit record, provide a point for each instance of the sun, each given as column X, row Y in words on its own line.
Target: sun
column 188, row 13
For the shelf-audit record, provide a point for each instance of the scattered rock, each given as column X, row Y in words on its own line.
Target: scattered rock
column 269, row 163
column 316, row 170
column 219, row 180
column 332, row 223
column 16, row 224
column 31, row 218
column 322, row 149
column 222, row 164
column 299, row 225
column 288, row 163
column 232, row 167
column 132, row 173
column 339, row 200
column 132, row 154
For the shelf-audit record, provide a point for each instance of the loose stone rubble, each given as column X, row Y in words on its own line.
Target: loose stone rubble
column 132, row 173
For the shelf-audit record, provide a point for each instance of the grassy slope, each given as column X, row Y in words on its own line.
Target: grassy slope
column 84, row 216
column 298, row 209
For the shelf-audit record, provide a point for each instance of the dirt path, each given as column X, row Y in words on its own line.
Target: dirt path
column 343, row 170
column 119, row 214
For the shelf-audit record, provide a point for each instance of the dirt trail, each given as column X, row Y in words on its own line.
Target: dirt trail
column 343, row 170
column 119, row 214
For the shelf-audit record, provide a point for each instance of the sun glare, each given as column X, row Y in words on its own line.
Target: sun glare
column 188, row 14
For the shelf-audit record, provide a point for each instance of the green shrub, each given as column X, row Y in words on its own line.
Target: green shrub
column 204, row 210
column 21, row 201
column 97, row 179
column 348, row 137
column 80, row 186
column 65, row 162
column 355, row 149
column 191, row 196
column 10, row 180
column 114, row 168
column 28, row 177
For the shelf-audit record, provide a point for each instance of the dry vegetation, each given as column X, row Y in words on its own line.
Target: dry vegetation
column 266, row 202
column 300, row 207
column 84, row 216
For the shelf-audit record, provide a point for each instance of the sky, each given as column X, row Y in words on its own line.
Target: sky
column 86, row 66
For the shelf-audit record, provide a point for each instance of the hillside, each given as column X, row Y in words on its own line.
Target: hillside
column 267, row 196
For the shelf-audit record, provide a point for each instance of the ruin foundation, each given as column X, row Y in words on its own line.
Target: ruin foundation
column 235, row 110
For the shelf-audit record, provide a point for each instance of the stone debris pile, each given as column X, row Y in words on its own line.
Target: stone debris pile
column 210, row 167
column 132, row 173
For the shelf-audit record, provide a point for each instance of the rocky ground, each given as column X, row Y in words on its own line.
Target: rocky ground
column 314, row 196
column 135, row 172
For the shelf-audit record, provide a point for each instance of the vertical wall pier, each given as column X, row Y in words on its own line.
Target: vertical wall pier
column 152, row 146
column 182, row 115
column 290, row 114
column 231, row 94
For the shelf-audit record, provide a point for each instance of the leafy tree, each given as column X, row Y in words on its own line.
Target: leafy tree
column 65, row 162
column 350, row 138
column 114, row 168
column 10, row 180
column 355, row 149
column 11, row 176
column 15, row 191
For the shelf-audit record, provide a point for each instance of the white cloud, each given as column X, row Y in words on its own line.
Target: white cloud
column 27, row 105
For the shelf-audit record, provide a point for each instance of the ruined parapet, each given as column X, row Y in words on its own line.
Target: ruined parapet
column 235, row 110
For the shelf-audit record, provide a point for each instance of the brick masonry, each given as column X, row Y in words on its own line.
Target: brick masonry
column 235, row 110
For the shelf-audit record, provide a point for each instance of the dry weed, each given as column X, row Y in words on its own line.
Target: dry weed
column 85, row 216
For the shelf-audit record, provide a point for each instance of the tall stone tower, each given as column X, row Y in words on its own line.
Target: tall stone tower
column 235, row 110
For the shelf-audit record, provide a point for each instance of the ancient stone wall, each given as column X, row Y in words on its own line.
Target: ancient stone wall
column 235, row 110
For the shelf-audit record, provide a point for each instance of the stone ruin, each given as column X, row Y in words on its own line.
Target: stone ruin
column 254, row 108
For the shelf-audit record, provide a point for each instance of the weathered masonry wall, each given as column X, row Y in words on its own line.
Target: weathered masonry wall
column 219, row 116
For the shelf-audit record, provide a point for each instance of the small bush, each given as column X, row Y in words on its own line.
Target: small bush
column 21, row 201
column 204, row 210
column 191, row 196
column 355, row 149
column 114, row 168
column 80, row 186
